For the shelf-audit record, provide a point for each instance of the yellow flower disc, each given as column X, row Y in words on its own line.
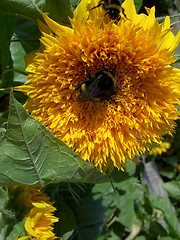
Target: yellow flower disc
column 106, row 131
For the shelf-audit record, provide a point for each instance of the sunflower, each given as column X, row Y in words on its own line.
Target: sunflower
column 39, row 218
column 135, row 56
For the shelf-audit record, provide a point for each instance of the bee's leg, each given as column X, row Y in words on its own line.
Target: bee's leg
column 86, row 74
column 117, row 19
column 106, row 68
column 99, row 4
column 123, row 12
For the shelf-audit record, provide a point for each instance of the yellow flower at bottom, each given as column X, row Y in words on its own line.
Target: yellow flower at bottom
column 106, row 130
column 40, row 220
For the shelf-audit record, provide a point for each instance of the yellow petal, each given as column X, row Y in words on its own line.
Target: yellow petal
column 55, row 27
column 130, row 9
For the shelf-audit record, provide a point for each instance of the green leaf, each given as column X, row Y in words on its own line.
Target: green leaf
column 125, row 202
column 165, row 238
column 138, row 4
column 59, row 10
column 156, row 229
column 106, row 193
column 177, row 57
column 173, row 188
column 66, row 236
column 17, row 54
column 127, row 192
column 140, row 238
column 89, row 219
column 16, row 231
column 130, row 168
column 9, row 210
column 168, row 172
column 3, row 217
column 74, row 3
column 3, row 232
column 27, row 33
column 3, row 198
column 170, row 217
column 6, row 32
column 30, row 154
column 66, row 222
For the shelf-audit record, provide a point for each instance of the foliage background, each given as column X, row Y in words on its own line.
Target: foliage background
column 143, row 202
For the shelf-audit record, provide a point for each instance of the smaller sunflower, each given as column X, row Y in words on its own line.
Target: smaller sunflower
column 39, row 222
column 40, row 217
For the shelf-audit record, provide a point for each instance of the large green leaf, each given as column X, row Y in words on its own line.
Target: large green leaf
column 30, row 154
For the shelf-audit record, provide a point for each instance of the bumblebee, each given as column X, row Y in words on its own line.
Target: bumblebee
column 112, row 8
column 101, row 85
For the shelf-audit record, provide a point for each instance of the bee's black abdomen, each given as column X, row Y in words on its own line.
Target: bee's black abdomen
column 101, row 84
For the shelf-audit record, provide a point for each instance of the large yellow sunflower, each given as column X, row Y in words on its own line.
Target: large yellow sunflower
column 138, row 51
